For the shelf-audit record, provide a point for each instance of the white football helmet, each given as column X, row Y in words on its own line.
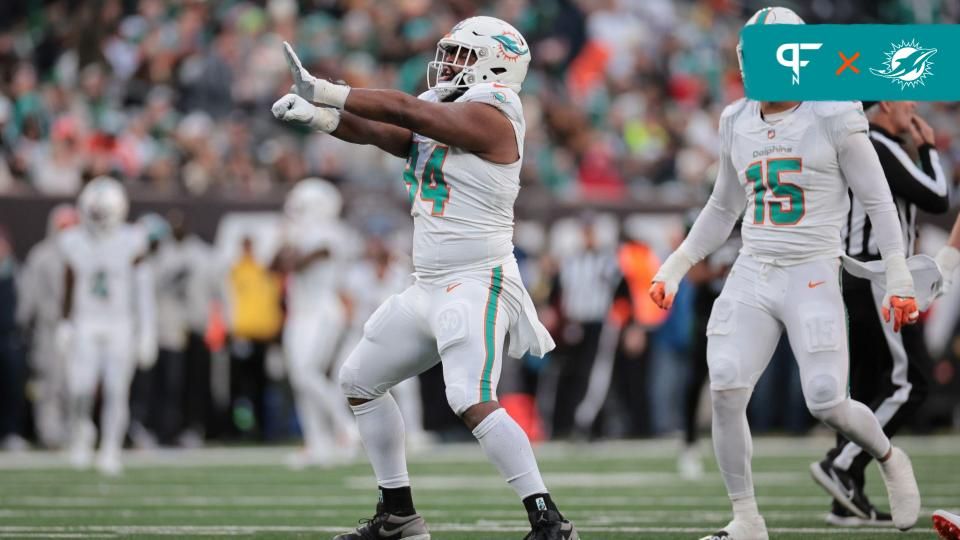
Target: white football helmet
column 103, row 204
column 313, row 200
column 767, row 15
column 478, row 50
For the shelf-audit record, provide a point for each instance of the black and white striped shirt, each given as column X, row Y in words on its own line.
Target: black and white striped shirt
column 585, row 285
column 924, row 187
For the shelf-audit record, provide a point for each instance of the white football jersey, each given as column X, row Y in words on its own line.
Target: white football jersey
column 462, row 205
column 797, row 198
column 103, row 272
column 317, row 284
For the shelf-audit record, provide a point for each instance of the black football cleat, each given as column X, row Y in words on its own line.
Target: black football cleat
column 384, row 526
column 839, row 516
column 843, row 488
column 550, row 525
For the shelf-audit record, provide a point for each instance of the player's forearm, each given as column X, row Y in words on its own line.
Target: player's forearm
column 866, row 178
column 358, row 130
column 709, row 232
column 388, row 106
column 861, row 167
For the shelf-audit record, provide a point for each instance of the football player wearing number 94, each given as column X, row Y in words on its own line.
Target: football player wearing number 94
column 785, row 167
column 463, row 142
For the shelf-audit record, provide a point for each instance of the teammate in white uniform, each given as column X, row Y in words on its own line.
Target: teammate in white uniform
column 39, row 308
column 109, row 319
column 312, row 255
column 463, row 141
column 368, row 285
column 789, row 165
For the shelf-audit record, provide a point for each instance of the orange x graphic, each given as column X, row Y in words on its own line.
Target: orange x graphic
column 848, row 63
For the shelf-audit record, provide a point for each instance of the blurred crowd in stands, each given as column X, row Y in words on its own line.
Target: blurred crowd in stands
column 173, row 97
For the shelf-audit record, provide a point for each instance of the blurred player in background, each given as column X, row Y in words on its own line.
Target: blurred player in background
column 889, row 375
column 312, row 255
column 463, row 139
column 369, row 284
column 948, row 258
column 790, row 166
column 186, row 257
column 109, row 319
column 39, row 308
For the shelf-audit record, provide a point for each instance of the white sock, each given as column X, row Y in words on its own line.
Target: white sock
column 745, row 507
column 114, row 419
column 732, row 443
column 381, row 430
column 508, row 448
column 857, row 423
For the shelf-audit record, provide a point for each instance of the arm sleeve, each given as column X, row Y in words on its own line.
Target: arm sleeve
column 861, row 167
column 924, row 186
column 715, row 223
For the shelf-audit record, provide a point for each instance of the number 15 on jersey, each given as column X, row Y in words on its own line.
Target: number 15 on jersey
column 782, row 201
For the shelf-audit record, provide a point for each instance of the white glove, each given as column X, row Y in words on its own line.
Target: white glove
column 63, row 338
column 667, row 280
column 900, row 302
column 296, row 110
column 146, row 349
column 948, row 258
column 309, row 87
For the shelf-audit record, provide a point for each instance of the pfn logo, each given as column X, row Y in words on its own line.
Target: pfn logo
column 794, row 62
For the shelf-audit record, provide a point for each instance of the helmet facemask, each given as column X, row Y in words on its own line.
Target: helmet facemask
column 453, row 67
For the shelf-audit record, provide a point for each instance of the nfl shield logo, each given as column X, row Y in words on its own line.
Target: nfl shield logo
column 771, row 133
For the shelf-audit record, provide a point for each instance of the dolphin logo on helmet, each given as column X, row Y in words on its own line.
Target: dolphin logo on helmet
column 478, row 50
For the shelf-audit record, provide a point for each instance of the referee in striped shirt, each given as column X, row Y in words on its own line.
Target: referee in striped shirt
column 888, row 370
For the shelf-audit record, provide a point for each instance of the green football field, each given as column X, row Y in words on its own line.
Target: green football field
column 613, row 490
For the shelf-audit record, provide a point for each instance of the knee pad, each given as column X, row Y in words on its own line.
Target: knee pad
column 823, row 392
column 724, row 370
column 352, row 385
column 460, row 399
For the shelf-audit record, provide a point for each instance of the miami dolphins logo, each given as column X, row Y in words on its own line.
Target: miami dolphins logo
column 511, row 45
column 907, row 64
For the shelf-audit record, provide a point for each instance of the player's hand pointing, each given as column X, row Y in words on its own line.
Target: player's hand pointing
column 311, row 88
column 293, row 109
column 902, row 309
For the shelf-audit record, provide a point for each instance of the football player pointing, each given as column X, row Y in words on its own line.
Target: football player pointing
column 786, row 167
column 463, row 141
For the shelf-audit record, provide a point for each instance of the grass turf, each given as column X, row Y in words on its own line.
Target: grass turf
column 611, row 491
